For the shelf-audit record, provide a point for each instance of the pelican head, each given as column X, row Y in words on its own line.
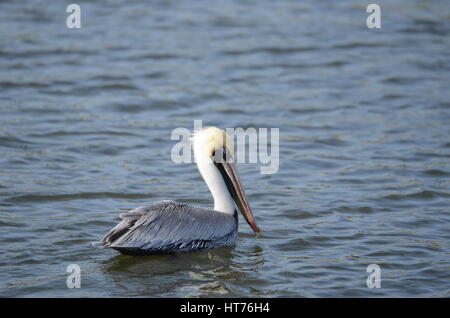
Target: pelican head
column 213, row 151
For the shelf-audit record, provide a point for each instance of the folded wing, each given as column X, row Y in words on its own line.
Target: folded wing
column 168, row 226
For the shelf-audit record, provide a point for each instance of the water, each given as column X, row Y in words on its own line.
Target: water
column 85, row 122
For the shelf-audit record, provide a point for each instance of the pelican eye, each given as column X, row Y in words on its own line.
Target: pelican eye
column 221, row 155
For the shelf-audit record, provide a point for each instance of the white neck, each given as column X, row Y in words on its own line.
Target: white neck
column 214, row 180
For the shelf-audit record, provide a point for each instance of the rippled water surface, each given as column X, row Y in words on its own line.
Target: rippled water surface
column 86, row 117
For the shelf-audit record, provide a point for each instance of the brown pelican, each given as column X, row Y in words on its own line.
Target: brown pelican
column 168, row 226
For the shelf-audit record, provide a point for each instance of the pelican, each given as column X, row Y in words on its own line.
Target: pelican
column 170, row 227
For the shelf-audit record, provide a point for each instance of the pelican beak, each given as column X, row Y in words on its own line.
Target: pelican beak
column 229, row 173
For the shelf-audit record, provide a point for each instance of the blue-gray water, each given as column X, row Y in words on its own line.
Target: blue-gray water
column 85, row 122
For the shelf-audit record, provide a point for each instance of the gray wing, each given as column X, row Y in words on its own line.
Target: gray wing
column 168, row 226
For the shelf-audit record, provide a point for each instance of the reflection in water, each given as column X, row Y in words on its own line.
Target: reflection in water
column 193, row 274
